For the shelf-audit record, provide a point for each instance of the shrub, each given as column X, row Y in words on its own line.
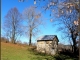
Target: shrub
column 3, row 39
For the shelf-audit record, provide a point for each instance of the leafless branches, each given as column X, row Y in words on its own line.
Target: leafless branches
column 33, row 19
column 12, row 24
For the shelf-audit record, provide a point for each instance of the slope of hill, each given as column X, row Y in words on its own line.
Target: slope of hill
column 19, row 52
column 13, row 52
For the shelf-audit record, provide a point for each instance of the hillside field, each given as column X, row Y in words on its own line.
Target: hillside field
column 20, row 52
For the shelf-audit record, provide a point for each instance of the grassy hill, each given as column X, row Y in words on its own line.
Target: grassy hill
column 20, row 52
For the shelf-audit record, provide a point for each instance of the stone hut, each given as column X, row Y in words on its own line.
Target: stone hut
column 47, row 44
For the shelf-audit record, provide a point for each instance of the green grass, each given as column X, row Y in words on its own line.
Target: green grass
column 17, row 52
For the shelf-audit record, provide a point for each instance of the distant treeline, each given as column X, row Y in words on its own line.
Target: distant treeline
column 3, row 39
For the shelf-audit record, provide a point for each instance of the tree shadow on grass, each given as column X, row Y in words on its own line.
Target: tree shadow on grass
column 64, row 57
column 60, row 56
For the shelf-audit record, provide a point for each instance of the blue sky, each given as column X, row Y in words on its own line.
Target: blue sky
column 48, row 29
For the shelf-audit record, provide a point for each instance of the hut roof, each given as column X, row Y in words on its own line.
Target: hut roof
column 46, row 38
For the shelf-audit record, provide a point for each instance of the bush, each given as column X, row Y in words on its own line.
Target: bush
column 3, row 39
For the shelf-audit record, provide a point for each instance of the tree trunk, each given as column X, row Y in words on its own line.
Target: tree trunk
column 74, row 46
column 30, row 39
column 74, row 42
column 72, row 49
column 13, row 31
column 13, row 38
column 30, row 36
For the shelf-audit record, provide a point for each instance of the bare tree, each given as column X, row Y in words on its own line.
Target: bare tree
column 68, row 10
column 12, row 24
column 33, row 20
